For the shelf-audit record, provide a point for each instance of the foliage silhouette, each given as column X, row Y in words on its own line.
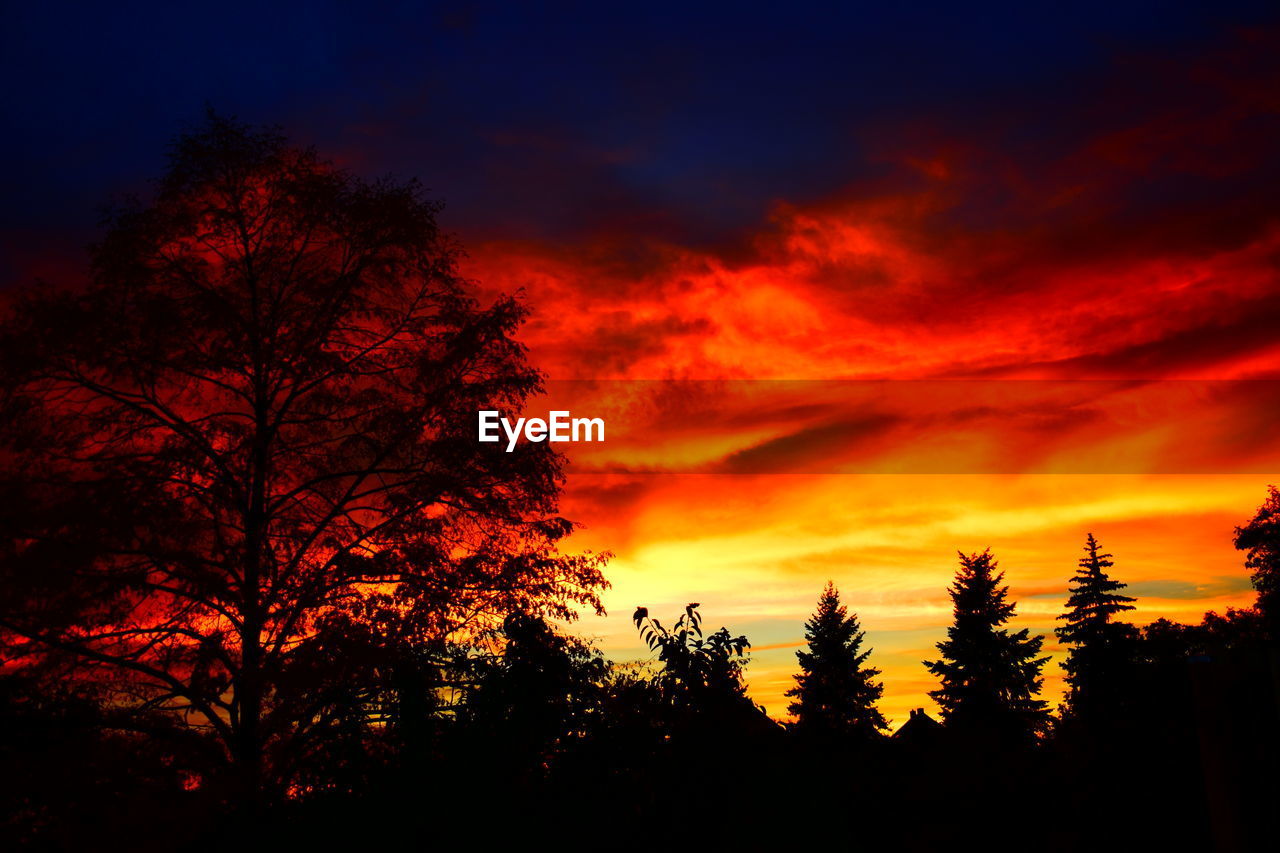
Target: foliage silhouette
column 249, row 434
column 539, row 696
column 1261, row 539
column 836, row 692
column 989, row 676
column 697, row 671
column 1100, row 662
column 71, row 764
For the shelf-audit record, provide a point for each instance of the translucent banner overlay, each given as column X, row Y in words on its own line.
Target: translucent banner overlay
column 921, row 427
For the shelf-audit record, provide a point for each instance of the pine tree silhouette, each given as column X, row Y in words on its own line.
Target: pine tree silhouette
column 1100, row 647
column 990, row 676
column 835, row 691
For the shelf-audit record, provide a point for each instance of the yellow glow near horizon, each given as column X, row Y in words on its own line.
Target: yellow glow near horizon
column 756, row 550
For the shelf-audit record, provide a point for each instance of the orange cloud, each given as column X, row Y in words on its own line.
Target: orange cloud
column 857, row 291
column 1143, row 256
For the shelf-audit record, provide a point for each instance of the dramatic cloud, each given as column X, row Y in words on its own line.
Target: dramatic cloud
column 1124, row 234
column 797, row 272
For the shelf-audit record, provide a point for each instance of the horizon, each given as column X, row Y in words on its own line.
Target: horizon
column 1047, row 195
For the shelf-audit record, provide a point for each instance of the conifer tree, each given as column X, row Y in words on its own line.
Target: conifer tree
column 990, row 676
column 1100, row 648
column 835, row 691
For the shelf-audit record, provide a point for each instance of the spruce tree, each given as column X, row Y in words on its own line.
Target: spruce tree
column 1101, row 649
column 835, row 691
column 990, row 676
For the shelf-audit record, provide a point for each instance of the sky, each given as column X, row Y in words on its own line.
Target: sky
column 860, row 286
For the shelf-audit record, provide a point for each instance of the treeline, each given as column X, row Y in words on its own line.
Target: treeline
column 260, row 586
column 1167, row 735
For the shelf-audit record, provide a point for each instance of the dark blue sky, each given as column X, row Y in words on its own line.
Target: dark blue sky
column 683, row 121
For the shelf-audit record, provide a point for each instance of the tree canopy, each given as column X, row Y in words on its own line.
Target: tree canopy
column 1260, row 539
column 700, row 672
column 250, row 433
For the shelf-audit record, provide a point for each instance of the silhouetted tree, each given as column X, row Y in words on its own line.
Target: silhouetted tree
column 1100, row 661
column 712, row 736
column 836, row 692
column 1261, row 539
column 1215, row 634
column 539, row 694
column 698, row 672
column 990, row 677
column 74, row 770
column 261, row 413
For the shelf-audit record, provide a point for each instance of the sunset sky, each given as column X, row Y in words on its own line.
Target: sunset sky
column 1012, row 274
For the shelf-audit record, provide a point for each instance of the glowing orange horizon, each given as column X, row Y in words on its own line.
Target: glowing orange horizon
column 868, row 286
